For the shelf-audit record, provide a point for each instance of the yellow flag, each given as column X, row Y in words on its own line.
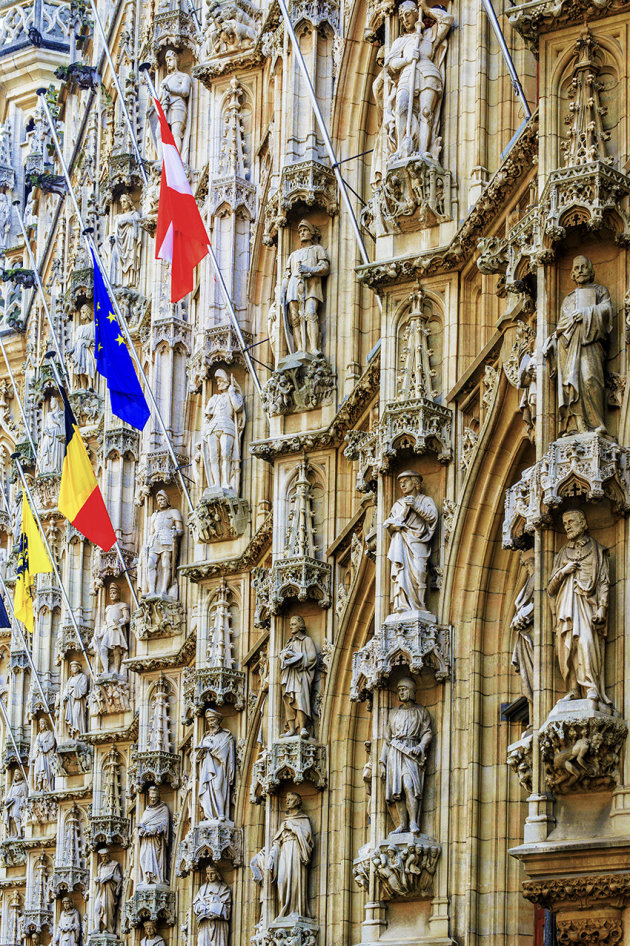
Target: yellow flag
column 32, row 558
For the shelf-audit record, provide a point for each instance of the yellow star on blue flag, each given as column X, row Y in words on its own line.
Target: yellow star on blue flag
column 113, row 360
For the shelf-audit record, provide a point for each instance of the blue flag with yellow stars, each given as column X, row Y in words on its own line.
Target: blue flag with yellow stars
column 113, row 361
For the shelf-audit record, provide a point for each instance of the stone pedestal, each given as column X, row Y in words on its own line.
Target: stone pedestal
column 292, row 931
column 519, row 759
column 404, row 865
column 211, row 840
column 150, row 902
column 292, row 758
column 158, row 616
column 219, row 515
column 301, row 382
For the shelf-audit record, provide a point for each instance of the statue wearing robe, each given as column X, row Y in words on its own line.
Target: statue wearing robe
column 14, row 802
column 411, row 523
column 75, row 699
column 218, row 771
column 153, row 831
column 42, row 759
column 522, row 625
column 50, row 450
column 212, row 907
column 68, row 928
column 407, row 739
column 298, row 660
column 108, row 886
column 290, row 857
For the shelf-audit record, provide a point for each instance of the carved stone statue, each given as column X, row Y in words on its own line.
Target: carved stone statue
column 576, row 351
column 50, row 449
column 42, row 757
column 153, row 831
column 127, row 243
column 221, row 435
column 81, row 352
column 527, row 385
column 413, row 80
column 302, row 290
column 68, row 927
column 14, row 802
column 523, row 625
column 166, row 531
column 290, row 857
column 298, row 659
column 217, row 752
column 110, row 641
column 212, row 907
column 108, row 882
column 403, row 758
column 151, row 937
column 411, row 524
column 174, row 94
column 578, row 588
column 75, row 700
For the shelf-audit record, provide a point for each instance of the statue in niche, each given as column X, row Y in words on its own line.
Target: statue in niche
column 50, row 450
column 578, row 588
column 274, row 330
column 577, row 350
column 75, row 700
column 403, row 759
column 411, row 524
column 290, row 857
column 71, row 854
column 212, row 907
column 110, row 642
column 153, row 831
column 217, row 752
column 14, row 802
column 42, row 757
column 412, row 85
column 302, row 291
column 108, row 882
column 68, row 928
column 298, row 659
column 126, row 245
column 523, row 626
column 5, row 220
column 151, row 936
column 174, row 94
column 221, row 435
column 526, row 383
column 159, row 731
column 81, row 352
column 166, row 531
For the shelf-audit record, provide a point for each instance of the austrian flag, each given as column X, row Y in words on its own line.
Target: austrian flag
column 181, row 236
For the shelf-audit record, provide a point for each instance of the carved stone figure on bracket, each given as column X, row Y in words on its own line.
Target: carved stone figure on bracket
column 302, row 290
column 221, row 435
column 110, row 642
column 527, row 386
column 576, row 351
column 127, row 243
column 42, row 757
column 75, row 700
column 407, row 740
column 14, row 802
column 411, row 524
column 166, row 531
column 50, row 449
column 153, row 831
column 217, row 752
column 290, row 858
column 174, row 94
column 578, row 588
column 68, row 927
column 151, row 936
column 108, row 882
column 298, row 659
column 212, row 907
column 523, row 625
column 81, row 352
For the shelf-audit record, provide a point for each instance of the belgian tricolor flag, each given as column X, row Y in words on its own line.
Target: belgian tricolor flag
column 80, row 499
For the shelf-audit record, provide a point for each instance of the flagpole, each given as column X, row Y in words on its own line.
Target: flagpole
column 87, row 236
column 19, row 400
column 51, row 356
column 144, row 67
column 12, row 738
column 16, row 458
column 121, row 98
column 40, row 286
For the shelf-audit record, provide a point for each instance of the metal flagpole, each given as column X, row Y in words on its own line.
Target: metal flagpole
column 87, row 236
column 12, row 738
column 16, row 459
column 121, row 98
column 144, row 67
column 19, row 399
column 51, row 356
column 516, row 84
column 40, row 285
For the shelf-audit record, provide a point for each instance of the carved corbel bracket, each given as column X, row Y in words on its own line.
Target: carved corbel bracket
column 580, row 748
column 155, row 902
column 304, row 183
column 215, row 518
column 291, row 759
column 204, row 686
column 153, row 767
column 157, row 617
column 209, row 841
column 404, row 865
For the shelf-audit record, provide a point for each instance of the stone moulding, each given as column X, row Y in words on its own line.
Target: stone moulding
column 583, row 891
column 301, row 577
column 204, row 686
column 410, row 642
column 414, row 194
column 292, row 930
column 67, row 879
column 155, row 903
column 520, row 760
column 153, row 767
column 216, row 345
column 581, row 753
column 587, row 465
column 584, row 194
column 604, row 930
column 109, row 830
column 304, row 183
column 534, row 17
column 404, row 866
column 13, row 852
column 219, row 517
column 157, row 617
column 209, row 841
column 293, row 759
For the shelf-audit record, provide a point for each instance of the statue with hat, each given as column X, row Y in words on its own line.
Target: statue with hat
column 411, row 525
column 217, row 752
column 165, row 533
column 403, row 759
column 302, row 291
column 220, row 446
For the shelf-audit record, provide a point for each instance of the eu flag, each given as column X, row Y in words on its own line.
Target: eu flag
column 113, row 360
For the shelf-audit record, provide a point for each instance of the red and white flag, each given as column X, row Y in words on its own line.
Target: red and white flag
column 181, row 236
